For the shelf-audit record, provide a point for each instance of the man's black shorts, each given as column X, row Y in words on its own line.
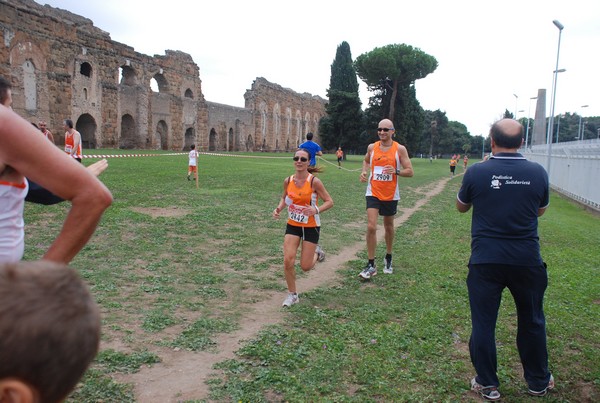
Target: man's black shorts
column 386, row 208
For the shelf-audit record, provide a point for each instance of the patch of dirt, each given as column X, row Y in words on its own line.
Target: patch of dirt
column 182, row 375
column 155, row 212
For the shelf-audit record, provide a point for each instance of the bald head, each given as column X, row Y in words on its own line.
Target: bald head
column 386, row 123
column 507, row 133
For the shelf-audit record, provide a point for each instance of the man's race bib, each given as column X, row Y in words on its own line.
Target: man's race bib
column 296, row 213
column 68, row 148
column 378, row 175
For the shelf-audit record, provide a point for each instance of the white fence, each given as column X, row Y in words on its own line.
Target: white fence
column 574, row 169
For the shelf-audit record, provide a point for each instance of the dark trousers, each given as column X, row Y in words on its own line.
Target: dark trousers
column 527, row 285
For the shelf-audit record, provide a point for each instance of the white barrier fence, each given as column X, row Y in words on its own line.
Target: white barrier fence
column 574, row 169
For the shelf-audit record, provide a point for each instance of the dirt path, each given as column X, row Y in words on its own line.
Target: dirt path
column 182, row 374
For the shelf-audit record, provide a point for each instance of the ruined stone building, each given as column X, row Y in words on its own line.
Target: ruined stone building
column 61, row 66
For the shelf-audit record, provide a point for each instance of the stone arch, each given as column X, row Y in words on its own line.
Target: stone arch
column 212, row 140
column 127, row 76
column 30, row 85
column 161, row 81
column 128, row 138
column 188, row 94
column 162, row 135
column 189, row 138
column 250, row 143
column 230, row 140
column 86, row 126
column 85, row 69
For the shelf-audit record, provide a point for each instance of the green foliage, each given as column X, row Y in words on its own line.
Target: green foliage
column 391, row 70
column 342, row 125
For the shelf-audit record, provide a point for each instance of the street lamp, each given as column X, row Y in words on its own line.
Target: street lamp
column 579, row 131
column 528, row 115
column 551, row 123
column 516, row 102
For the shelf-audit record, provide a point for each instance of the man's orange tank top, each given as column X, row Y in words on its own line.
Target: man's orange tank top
column 384, row 186
column 69, row 142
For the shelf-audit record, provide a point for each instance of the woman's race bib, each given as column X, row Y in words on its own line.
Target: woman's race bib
column 378, row 175
column 296, row 213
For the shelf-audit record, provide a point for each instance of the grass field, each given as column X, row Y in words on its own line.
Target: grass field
column 174, row 265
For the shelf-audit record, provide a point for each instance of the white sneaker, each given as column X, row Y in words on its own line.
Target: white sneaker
column 291, row 299
column 387, row 268
column 368, row 272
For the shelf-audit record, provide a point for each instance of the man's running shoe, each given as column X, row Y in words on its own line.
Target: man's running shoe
column 368, row 272
column 291, row 299
column 487, row 392
column 387, row 267
column 544, row 391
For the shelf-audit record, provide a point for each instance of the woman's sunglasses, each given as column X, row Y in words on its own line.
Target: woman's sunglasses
column 303, row 159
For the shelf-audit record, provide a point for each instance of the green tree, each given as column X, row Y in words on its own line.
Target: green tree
column 342, row 125
column 391, row 70
column 390, row 73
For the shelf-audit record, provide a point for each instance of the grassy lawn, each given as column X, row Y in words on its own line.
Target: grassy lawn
column 174, row 265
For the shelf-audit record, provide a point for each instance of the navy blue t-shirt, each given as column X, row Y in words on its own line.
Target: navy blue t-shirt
column 506, row 192
column 313, row 148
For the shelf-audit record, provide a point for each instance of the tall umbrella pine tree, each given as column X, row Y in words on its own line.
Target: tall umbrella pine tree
column 390, row 72
column 342, row 126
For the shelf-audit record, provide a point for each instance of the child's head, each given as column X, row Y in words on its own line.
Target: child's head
column 193, row 147
column 49, row 331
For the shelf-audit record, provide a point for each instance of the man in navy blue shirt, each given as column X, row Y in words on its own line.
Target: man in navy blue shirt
column 313, row 148
column 508, row 193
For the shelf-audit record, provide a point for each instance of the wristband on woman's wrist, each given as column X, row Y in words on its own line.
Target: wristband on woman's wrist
column 317, row 208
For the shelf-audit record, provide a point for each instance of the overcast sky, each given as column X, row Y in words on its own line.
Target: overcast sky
column 487, row 52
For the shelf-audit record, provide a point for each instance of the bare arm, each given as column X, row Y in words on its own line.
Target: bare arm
column 407, row 169
column 324, row 195
column 76, row 142
column 281, row 204
column 462, row 207
column 541, row 211
column 31, row 155
column 366, row 164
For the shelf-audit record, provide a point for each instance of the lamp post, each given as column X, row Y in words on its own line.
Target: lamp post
column 516, row 103
column 551, row 123
column 579, row 131
column 528, row 116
